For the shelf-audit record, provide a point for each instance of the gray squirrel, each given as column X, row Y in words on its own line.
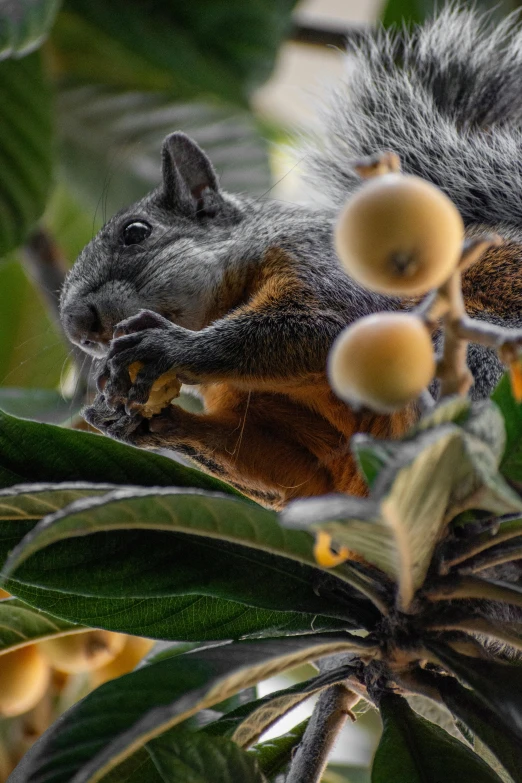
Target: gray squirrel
column 243, row 297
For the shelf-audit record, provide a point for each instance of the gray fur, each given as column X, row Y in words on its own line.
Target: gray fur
column 448, row 99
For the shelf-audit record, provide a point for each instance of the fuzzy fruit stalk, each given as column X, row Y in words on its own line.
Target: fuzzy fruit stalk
column 399, row 235
column 382, row 361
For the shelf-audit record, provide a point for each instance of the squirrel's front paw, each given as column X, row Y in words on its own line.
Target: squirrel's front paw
column 153, row 341
column 114, row 421
column 131, row 428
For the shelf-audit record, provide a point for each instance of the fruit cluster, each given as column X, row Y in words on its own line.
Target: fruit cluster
column 33, row 676
column 401, row 236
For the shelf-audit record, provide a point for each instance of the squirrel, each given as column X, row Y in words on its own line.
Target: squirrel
column 244, row 297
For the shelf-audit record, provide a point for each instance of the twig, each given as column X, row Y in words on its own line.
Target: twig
column 306, row 30
column 46, row 268
column 332, row 709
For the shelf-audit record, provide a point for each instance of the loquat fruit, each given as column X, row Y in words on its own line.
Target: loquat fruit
column 163, row 390
column 399, row 235
column 24, row 677
column 83, row 651
column 134, row 650
column 382, row 361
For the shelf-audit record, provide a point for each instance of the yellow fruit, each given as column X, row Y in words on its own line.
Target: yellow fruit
column 163, row 390
column 82, row 652
column 399, row 235
column 24, row 677
column 4, row 594
column 134, row 650
column 382, row 361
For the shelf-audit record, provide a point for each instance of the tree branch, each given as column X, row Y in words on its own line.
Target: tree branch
column 330, row 714
column 314, row 33
column 46, row 267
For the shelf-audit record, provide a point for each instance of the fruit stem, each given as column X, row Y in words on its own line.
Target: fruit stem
column 447, row 303
column 376, row 165
column 452, row 369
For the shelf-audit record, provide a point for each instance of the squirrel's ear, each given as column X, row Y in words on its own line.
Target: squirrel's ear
column 190, row 183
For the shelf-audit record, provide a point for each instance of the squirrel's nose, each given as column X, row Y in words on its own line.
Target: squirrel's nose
column 83, row 325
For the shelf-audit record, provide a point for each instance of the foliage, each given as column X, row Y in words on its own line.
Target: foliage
column 93, row 533
column 416, row 604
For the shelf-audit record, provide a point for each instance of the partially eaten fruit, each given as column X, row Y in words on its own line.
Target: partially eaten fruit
column 163, row 391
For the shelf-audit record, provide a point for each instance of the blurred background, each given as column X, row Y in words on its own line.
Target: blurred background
column 88, row 90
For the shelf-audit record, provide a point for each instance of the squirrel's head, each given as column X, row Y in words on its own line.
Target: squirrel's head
column 164, row 253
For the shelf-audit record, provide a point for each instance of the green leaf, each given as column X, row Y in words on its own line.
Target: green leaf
column 25, row 148
column 138, row 768
column 370, row 455
column 20, row 625
column 23, row 26
column 110, row 144
column 423, row 482
column 190, row 618
column 511, row 465
column 203, row 47
column 32, row 452
column 246, row 723
column 200, row 758
column 413, row 750
column 496, row 734
column 273, row 756
column 497, row 685
column 115, row 720
column 131, row 552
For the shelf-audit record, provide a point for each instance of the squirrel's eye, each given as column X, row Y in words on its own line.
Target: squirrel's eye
column 135, row 232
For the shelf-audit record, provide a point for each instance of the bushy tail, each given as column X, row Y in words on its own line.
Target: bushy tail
column 446, row 97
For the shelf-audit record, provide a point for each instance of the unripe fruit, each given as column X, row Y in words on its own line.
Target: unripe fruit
column 382, row 361
column 134, row 650
column 399, row 235
column 24, row 677
column 162, row 391
column 82, row 652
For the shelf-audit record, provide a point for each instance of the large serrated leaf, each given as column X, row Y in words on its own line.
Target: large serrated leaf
column 413, row 750
column 484, row 723
column 201, row 758
column 25, row 148
column 190, row 618
column 497, row 685
column 229, row 538
column 32, row 452
column 188, row 49
column 23, row 26
column 138, row 768
column 421, row 484
column 20, row 625
column 119, row 717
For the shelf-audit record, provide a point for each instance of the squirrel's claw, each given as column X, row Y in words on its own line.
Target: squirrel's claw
column 145, row 319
